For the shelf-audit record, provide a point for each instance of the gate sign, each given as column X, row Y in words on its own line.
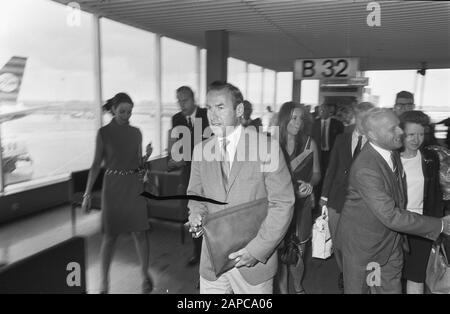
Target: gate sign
column 314, row 69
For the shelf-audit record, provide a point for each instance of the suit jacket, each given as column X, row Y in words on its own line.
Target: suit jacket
column 335, row 182
column 246, row 183
column 433, row 204
column 336, row 127
column 374, row 212
column 179, row 119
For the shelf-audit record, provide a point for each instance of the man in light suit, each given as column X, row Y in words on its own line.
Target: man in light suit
column 239, row 182
column 374, row 215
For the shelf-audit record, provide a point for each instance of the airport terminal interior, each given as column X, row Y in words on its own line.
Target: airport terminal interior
column 61, row 61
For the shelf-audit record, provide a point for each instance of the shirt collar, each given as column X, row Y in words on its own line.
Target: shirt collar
column 386, row 154
column 193, row 115
column 233, row 137
column 356, row 133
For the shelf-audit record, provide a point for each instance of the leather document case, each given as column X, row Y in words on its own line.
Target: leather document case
column 230, row 230
column 302, row 166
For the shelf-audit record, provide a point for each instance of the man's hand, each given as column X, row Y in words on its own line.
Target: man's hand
column 243, row 258
column 195, row 220
column 195, row 225
column 446, row 221
column 322, row 202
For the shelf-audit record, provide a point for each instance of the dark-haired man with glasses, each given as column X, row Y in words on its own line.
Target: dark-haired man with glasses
column 404, row 101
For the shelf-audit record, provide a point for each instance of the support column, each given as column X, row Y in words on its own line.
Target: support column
column 217, row 56
column 275, row 92
column 158, row 93
column 262, row 90
column 296, row 90
column 247, row 80
column 98, row 98
column 198, row 70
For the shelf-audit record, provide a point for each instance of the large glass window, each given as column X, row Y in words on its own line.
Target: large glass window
column 284, row 87
column 47, row 123
column 255, row 88
column 431, row 93
column 179, row 67
column 128, row 56
column 269, row 89
column 237, row 75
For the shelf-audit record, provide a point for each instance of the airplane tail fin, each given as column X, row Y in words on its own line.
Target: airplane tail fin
column 11, row 79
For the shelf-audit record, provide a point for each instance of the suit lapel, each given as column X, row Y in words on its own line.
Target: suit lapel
column 214, row 169
column 397, row 188
column 348, row 147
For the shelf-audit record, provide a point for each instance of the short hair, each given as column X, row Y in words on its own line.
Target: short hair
column 404, row 94
column 236, row 95
column 187, row 90
column 373, row 114
column 363, row 107
column 414, row 116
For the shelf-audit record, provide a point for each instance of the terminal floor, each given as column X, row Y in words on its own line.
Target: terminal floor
column 168, row 256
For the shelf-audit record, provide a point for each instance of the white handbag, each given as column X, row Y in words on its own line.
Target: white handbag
column 322, row 246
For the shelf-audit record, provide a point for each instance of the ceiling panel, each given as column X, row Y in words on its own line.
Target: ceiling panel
column 273, row 33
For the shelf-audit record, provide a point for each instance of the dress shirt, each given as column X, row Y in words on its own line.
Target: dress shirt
column 233, row 140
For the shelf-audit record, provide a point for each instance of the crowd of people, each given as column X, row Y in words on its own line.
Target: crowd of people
column 376, row 175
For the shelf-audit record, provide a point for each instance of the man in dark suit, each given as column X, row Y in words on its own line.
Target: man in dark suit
column 190, row 116
column 324, row 132
column 374, row 215
column 347, row 147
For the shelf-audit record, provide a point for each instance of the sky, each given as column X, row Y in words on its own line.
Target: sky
column 60, row 62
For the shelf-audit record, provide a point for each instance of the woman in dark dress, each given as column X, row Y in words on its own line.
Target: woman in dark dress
column 421, row 166
column 302, row 157
column 119, row 146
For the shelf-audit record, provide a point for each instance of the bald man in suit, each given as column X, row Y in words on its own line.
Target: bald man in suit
column 374, row 217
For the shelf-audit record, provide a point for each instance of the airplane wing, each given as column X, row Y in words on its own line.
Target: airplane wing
column 17, row 113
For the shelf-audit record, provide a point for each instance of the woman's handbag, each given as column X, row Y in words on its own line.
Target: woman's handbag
column 438, row 269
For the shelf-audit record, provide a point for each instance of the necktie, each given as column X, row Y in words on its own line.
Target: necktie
column 225, row 163
column 323, row 139
column 358, row 147
column 189, row 122
column 395, row 169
